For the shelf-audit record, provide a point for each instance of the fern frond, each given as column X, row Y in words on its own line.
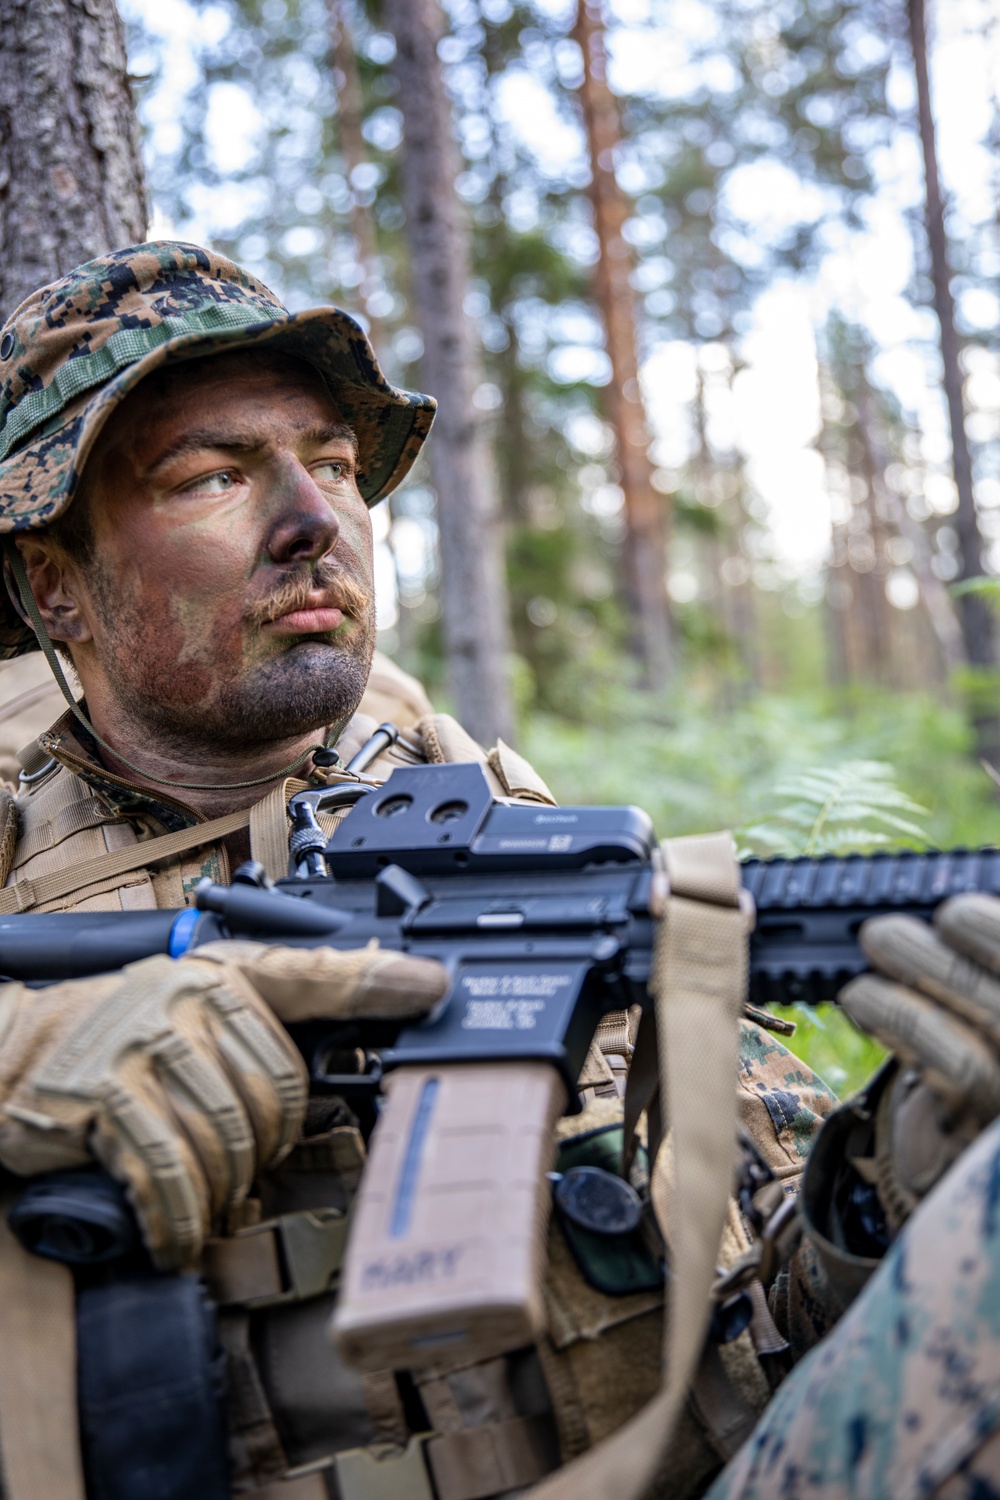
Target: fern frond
column 853, row 840
column 835, row 810
column 987, row 587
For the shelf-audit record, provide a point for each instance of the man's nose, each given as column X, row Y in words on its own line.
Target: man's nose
column 305, row 526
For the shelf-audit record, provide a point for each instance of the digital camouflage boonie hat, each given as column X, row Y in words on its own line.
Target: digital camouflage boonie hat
column 73, row 350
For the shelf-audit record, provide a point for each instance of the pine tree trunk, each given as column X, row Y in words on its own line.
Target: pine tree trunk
column 350, row 118
column 473, row 586
column 71, row 178
column 352, row 144
column 937, row 602
column 975, row 612
column 835, row 606
column 645, row 508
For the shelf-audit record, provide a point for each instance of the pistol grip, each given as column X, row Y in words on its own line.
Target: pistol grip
column 447, row 1242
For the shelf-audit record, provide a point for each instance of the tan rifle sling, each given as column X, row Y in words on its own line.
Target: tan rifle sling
column 699, row 982
column 39, row 1431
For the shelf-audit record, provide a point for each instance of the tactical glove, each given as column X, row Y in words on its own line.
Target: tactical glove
column 176, row 1075
column 934, row 1002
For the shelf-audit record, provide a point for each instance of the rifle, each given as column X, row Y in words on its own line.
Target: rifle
column 543, row 917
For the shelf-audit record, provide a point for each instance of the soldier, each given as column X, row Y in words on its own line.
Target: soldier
column 185, row 472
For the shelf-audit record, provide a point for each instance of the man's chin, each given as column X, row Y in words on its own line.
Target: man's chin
column 315, row 682
column 309, row 686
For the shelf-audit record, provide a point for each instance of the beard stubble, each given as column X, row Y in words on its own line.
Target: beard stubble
column 313, row 683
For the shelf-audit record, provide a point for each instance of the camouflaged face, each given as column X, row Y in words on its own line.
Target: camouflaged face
column 73, row 350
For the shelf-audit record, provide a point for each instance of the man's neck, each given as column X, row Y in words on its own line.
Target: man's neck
column 217, row 777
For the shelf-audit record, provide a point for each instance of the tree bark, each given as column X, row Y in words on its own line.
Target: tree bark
column 645, row 509
column 473, row 585
column 937, row 602
column 975, row 612
column 71, row 178
column 350, row 116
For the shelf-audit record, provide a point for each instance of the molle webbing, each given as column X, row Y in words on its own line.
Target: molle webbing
column 88, row 812
column 469, row 1465
column 266, row 820
column 288, row 1259
column 76, row 877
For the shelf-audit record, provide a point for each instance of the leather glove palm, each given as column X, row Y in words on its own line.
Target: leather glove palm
column 177, row 1076
column 934, row 1002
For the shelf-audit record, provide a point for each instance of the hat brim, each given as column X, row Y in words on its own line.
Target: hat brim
column 38, row 480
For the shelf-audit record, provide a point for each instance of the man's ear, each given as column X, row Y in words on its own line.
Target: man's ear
column 56, row 584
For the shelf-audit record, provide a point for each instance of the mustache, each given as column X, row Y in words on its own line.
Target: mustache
column 294, row 590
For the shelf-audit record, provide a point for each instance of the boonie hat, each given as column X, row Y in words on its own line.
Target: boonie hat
column 74, row 349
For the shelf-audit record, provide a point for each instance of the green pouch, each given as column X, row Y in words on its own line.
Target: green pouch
column 615, row 1264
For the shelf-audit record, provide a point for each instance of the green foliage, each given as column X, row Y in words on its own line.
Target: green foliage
column 831, row 1044
column 855, row 806
column 850, row 808
column 989, row 588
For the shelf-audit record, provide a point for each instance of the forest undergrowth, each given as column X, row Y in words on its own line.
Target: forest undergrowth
column 819, row 773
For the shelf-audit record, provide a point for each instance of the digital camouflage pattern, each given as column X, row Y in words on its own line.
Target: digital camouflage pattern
column 903, row 1398
column 73, row 350
column 775, row 1084
column 781, row 1104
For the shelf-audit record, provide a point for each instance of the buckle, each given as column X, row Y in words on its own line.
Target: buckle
column 383, row 1472
column 303, row 1261
column 312, row 1248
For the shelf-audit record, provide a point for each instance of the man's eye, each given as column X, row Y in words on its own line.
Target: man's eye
column 331, row 469
column 215, row 484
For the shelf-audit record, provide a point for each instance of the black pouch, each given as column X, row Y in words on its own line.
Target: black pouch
column 615, row 1264
column 151, row 1390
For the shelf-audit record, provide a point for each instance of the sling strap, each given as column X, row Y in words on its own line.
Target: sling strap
column 39, row 1435
column 698, row 981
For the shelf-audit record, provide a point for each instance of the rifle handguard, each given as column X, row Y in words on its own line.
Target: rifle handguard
column 447, row 1242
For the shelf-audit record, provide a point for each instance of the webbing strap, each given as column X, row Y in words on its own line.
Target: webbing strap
column 614, row 1035
column 640, row 1089
column 287, row 1259
column 39, row 1433
column 269, row 828
column 726, row 1416
column 76, row 818
column 698, row 980
column 490, row 1459
column 28, row 893
column 311, row 1486
column 385, row 1407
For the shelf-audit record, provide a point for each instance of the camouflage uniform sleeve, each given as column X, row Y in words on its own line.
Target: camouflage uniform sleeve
column 903, row 1398
column 782, row 1104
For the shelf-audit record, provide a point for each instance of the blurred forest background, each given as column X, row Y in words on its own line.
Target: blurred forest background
column 709, row 293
